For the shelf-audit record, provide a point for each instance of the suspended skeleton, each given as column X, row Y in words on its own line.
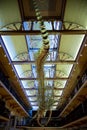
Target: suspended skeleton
column 44, row 105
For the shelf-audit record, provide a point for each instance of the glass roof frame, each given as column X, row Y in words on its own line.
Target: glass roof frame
column 27, row 53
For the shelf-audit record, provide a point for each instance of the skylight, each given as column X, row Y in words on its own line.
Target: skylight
column 24, row 49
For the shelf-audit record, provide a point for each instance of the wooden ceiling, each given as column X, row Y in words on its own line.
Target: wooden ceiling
column 49, row 10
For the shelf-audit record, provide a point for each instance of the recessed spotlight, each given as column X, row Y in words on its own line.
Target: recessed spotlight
column 5, row 55
column 85, row 45
column 80, row 54
column 9, row 63
column 0, row 46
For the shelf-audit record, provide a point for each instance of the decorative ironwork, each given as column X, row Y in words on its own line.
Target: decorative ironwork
column 60, row 73
column 27, row 74
column 30, row 84
column 72, row 26
column 22, row 57
column 13, row 26
column 61, row 56
column 58, row 84
column 64, row 56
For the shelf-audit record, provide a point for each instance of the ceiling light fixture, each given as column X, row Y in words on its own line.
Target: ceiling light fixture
column 5, row 55
column 85, row 45
column 80, row 54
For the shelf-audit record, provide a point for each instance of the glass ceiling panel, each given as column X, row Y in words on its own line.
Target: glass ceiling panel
column 35, row 43
column 35, row 107
column 34, row 103
column 31, row 92
column 23, row 70
column 63, row 70
column 32, row 98
column 27, row 25
column 53, row 107
column 56, row 98
column 49, row 71
column 59, row 84
column 55, row 103
column 57, row 25
column 58, row 92
column 51, row 56
column 28, row 84
column 48, row 82
column 15, row 45
column 71, row 44
column 30, row 70
column 48, row 24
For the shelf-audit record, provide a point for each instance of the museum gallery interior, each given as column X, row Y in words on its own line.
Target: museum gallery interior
column 43, row 64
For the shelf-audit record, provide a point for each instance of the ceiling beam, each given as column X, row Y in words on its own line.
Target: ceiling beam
column 44, row 78
column 46, row 88
column 45, row 18
column 45, row 96
column 36, row 32
column 47, row 62
column 37, row 105
column 37, row 101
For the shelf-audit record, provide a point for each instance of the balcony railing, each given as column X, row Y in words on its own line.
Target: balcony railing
column 4, row 80
column 80, row 82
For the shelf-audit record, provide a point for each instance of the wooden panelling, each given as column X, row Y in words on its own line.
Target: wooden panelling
column 48, row 9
